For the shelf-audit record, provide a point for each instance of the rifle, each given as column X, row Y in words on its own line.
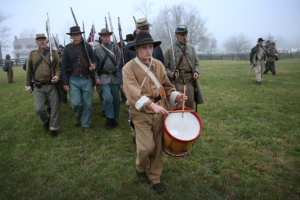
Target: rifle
column 50, row 45
column 114, row 39
column 106, row 23
column 83, row 40
column 121, row 41
column 134, row 20
column 59, row 51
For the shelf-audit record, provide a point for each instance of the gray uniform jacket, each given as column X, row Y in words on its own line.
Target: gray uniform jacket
column 8, row 63
column 108, row 66
column 194, row 66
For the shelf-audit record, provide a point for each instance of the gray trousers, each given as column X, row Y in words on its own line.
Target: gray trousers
column 40, row 96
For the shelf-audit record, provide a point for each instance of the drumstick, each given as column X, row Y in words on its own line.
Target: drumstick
column 183, row 102
column 170, row 111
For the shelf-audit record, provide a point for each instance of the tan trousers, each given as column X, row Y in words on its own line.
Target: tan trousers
column 10, row 75
column 149, row 131
column 189, row 103
column 258, row 68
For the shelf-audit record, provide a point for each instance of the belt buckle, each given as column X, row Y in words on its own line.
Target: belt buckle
column 182, row 72
column 78, row 70
column 152, row 100
column 110, row 73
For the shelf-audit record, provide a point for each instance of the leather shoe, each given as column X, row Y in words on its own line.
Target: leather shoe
column 77, row 121
column 142, row 176
column 259, row 83
column 53, row 134
column 158, row 187
column 108, row 124
column 87, row 129
column 46, row 125
column 103, row 113
column 115, row 123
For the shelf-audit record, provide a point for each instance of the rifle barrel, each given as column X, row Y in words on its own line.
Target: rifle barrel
column 74, row 16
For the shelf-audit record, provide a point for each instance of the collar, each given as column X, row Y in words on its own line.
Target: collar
column 182, row 46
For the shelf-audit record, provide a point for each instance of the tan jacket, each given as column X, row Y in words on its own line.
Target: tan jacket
column 133, row 76
column 194, row 65
column 43, row 72
column 271, row 54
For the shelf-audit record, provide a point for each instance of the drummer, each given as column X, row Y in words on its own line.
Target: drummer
column 148, row 92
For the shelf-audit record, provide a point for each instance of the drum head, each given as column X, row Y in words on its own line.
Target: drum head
column 183, row 128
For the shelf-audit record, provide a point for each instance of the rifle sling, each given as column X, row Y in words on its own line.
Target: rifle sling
column 108, row 54
column 40, row 61
column 183, row 54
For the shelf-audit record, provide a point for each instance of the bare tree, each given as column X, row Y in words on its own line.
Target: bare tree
column 4, row 30
column 271, row 38
column 144, row 7
column 28, row 33
column 237, row 43
column 170, row 17
column 203, row 44
column 212, row 44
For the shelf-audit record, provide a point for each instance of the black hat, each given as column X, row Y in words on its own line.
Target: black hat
column 268, row 41
column 260, row 39
column 144, row 38
column 272, row 43
column 74, row 30
column 128, row 37
column 134, row 34
column 61, row 46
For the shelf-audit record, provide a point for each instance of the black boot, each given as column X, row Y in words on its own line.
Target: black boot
column 115, row 123
column 46, row 125
column 108, row 124
column 142, row 176
column 158, row 187
column 134, row 141
column 53, row 134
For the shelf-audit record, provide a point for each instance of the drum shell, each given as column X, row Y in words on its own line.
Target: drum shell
column 177, row 147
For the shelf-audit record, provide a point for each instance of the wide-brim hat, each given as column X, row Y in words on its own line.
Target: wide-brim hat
column 39, row 36
column 142, row 24
column 144, row 38
column 272, row 43
column 61, row 46
column 260, row 39
column 105, row 31
column 268, row 41
column 75, row 30
column 129, row 37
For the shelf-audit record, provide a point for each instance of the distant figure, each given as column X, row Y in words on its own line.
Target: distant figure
column 258, row 56
column 267, row 45
column 24, row 65
column 10, row 73
column 272, row 55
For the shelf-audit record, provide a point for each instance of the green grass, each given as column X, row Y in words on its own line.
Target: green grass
column 249, row 148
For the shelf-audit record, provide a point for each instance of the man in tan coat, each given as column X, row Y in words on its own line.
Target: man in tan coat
column 186, row 69
column 38, row 67
column 142, row 90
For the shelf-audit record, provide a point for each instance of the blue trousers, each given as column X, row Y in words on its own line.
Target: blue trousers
column 111, row 100
column 81, row 93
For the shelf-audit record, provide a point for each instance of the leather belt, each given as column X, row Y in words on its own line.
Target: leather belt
column 43, row 83
column 156, row 99
column 109, row 73
column 181, row 72
column 79, row 70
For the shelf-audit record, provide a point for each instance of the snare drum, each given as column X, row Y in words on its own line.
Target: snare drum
column 180, row 132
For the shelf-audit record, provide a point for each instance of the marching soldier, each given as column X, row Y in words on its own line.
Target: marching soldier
column 186, row 71
column 38, row 67
column 144, row 92
column 76, row 77
column 105, row 75
column 267, row 45
column 258, row 56
column 141, row 25
column 272, row 55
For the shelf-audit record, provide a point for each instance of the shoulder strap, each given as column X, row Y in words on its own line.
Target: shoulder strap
column 108, row 53
column 182, row 54
column 148, row 72
column 102, row 64
column 40, row 61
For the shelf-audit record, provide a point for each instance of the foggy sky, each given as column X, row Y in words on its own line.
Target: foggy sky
column 224, row 18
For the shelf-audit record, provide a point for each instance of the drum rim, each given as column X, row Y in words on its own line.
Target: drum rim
column 179, row 140
column 176, row 155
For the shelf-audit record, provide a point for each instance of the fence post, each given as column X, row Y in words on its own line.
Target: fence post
column 232, row 57
column 221, row 57
column 210, row 56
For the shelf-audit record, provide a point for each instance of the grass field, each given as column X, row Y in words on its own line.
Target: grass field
column 249, row 148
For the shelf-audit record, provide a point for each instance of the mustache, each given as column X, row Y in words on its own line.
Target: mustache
column 76, row 39
column 43, row 47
